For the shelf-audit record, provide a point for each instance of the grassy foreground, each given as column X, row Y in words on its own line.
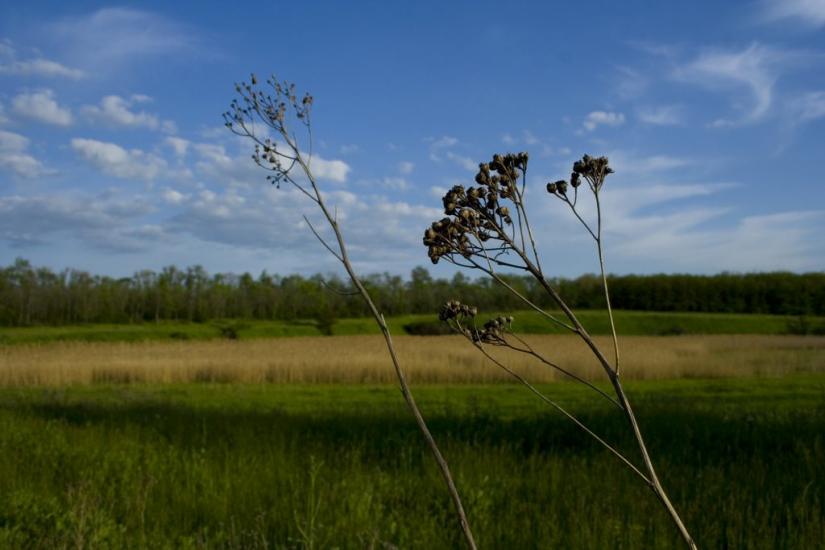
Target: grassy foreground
column 638, row 323
column 314, row 466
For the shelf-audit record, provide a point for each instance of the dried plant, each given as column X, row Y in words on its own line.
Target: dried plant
column 278, row 108
column 486, row 228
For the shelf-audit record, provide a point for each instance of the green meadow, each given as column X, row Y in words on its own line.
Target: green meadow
column 341, row 466
column 639, row 323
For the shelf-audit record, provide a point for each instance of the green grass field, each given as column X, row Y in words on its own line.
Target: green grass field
column 303, row 466
column 628, row 323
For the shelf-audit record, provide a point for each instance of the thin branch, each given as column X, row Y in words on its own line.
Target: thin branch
column 604, row 285
column 529, row 351
column 523, row 298
column 338, row 290
column 323, row 242
column 562, row 410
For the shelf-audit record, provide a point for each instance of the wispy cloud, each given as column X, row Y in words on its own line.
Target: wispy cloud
column 405, row 168
column 809, row 13
column 14, row 156
column 626, row 163
column 43, row 107
column 349, row 149
column 215, row 162
column 807, row 107
column 116, row 161
column 178, row 145
column 754, row 69
column 663, row 115
column 37, row 66
column 440, row 149
column 465, row 162
column 602, row 118
column 113, row 36
column 630, row 83
column 117, row 111
column 102, row 221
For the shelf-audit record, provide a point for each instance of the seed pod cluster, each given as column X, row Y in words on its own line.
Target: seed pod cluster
column 494, row 331
column 453, row 309
column 476, row 211
column 592, row 169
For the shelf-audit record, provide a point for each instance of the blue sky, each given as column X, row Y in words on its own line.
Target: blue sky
column 113, row 156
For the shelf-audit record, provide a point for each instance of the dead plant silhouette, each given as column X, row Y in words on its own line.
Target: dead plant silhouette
column 253, row 115
column 486, row 228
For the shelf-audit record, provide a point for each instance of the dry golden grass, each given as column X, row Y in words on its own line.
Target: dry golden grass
column 363, row 359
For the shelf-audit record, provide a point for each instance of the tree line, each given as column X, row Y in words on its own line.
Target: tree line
column 38, row 295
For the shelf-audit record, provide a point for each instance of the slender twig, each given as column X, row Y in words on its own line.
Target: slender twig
column 322, row 241
column 562, row 410
column 275, row 118
column 530, row 351
column 616, row 365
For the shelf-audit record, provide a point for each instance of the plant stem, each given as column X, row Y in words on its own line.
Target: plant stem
column 402, row 379
column 604, row 284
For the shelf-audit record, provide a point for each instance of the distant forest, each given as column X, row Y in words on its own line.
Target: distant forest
column 39, row 296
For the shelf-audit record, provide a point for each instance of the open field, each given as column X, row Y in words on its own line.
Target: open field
column 297, row 466
column 638, row 323
column 428, row 359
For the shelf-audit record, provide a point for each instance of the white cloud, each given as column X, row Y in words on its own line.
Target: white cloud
column 778, row 241
column 627, row 163
column 173, row 197
column 35, row 67
column 332, row 170
column 664, row 115
column 116, row 111
column 438, row 192
column 507, row 139
column 437, row 145
column 112, row 37
column 808, row 107
column 602, row 118
column 530, row 138
column 41, row 67
column 42, row 106
column 755, row 69
column 220, row 165
column 349, row 149
column 806, row 12
column 114, row 160
column 444, row 142
column 465, row 162
column 630, row 83
column 405, row 168
column 179, row 145
column 656, row 226
column 396, row 183
column 102, row 221
column 15, row 158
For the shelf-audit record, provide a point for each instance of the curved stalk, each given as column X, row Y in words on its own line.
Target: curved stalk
column 402, row 379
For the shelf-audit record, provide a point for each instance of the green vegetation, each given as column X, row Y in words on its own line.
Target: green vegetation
column 231, row 466
column 40, row 296
column 639, row 323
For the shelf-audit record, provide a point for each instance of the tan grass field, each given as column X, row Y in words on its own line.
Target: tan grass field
column 363, row 359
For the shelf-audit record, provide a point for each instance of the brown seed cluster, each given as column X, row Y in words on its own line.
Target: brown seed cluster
column 494, row 331
column 476, row 211
column 270, row 108
column 593, row 169
column 453, row 309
